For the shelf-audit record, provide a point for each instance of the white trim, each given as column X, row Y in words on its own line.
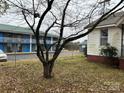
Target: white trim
column 121, row 21
column 30, row 43
column 112, row 25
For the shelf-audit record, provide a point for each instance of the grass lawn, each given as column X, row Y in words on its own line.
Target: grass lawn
column 71, row 75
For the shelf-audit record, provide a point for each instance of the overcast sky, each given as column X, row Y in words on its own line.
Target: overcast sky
column 15, row 19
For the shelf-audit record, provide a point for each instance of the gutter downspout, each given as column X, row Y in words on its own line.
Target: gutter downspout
column 122, row 40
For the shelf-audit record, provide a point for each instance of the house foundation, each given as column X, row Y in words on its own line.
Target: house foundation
column 118, row 62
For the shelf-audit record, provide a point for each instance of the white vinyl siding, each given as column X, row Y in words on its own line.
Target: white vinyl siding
column 114, row 39
column 93, row 42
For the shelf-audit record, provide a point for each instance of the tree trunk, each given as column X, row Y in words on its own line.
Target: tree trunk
column 48, row 67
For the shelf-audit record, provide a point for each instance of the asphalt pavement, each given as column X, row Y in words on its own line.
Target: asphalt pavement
column 22, row 56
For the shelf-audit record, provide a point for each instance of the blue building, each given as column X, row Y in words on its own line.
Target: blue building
column 14, row 38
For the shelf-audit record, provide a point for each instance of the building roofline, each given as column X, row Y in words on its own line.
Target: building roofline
column 20, row 30
column 109, row 22
column 111, row 25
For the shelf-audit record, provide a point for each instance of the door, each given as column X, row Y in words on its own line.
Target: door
column 26, row 48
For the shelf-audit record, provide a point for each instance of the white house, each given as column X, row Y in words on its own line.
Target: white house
column 109, row 31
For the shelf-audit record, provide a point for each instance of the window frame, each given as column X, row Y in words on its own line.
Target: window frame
column 103, row 36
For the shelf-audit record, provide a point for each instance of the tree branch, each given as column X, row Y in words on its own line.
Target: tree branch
column 61, row 27
column 90, row 30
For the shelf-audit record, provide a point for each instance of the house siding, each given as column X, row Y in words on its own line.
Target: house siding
column 114, row 39
column 93, row 42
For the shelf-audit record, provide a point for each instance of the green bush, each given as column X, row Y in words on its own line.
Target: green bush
column 108, row 51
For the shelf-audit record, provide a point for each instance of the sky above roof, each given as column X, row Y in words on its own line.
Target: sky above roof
column 17, row 20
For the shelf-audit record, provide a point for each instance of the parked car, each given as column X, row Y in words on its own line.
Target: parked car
column 3, row 56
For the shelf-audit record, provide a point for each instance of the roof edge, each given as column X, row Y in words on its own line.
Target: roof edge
column 112, row 25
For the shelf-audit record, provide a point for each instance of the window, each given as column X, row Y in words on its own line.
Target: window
column 104, row 36
column 9, row 35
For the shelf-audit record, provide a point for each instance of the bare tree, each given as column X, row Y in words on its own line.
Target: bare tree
column 59, row 16
column 3, row 6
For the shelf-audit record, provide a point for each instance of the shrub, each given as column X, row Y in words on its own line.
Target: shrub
column 109, row 51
